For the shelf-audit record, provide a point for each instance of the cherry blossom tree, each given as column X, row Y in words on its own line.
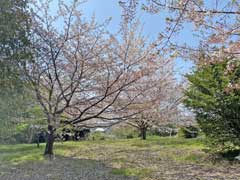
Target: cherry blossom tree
column 216, row 24
column 80, row 72
column 161, row 103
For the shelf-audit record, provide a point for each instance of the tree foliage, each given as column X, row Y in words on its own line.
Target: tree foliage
column 81, row 72
column 215, row 26
column 214, row 95
column 14, row 52
column 14, row 42
column 162, row 102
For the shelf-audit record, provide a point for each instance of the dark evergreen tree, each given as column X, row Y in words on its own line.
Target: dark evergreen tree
column 214, row 96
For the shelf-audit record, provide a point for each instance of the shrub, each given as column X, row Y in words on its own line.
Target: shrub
column 125, row 132
column 164, row 131
column 188, row 132
column 96, row 136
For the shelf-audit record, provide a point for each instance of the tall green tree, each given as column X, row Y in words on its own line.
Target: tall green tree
column 14, row 42
column 214, row 96
column 14, row 52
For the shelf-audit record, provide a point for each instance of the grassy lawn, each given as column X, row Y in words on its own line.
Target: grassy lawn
column 155, row 158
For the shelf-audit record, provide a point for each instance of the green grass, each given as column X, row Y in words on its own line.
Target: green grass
column 130, row 157
column 141, row 172
column 168, row 157
column 16, row 154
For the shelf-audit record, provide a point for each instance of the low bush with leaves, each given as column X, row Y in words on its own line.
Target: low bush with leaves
column 164, row 131
column 188, row 132
column 126, row 132
column 96, row 136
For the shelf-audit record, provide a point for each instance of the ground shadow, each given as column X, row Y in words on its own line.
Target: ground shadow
column 62, row 168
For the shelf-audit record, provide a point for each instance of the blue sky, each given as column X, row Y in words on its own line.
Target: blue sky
column 153, row 24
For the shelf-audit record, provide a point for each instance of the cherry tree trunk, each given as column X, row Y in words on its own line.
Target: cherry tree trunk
column 144, row 133
column 50, row 141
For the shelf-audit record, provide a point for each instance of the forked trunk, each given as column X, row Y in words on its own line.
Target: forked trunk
column 50, row 140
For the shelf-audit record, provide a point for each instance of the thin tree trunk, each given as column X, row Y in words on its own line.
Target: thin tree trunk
column 30, row 138
column 144, row 133
column 38, row 144
column 50, row 140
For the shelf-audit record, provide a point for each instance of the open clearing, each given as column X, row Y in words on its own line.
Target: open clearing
column 153, row 159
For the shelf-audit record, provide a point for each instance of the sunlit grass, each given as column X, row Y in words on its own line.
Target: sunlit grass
column 16, row 154
column 124, row 156
column 25, row 152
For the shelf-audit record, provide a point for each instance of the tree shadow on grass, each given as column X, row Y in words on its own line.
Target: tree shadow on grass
column 62, row 168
